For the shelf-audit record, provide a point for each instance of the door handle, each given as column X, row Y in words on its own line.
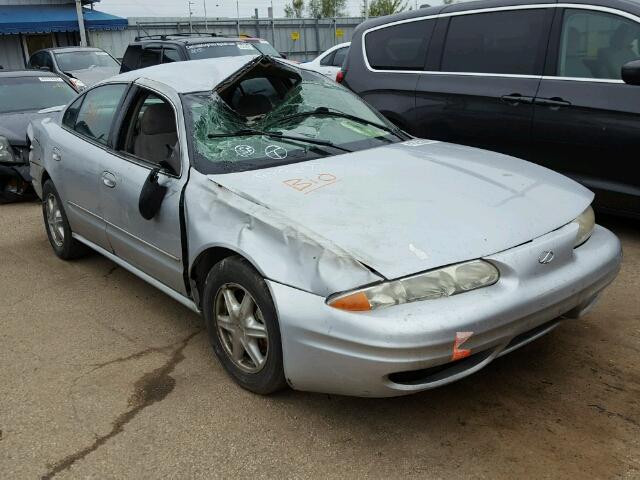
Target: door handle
column 109, row 179
column 55, row 154
column 554, row 102
column 516, row 99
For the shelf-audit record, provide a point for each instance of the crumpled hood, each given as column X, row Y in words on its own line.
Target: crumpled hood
column 14, row 126
column 410, row 207
column 91, row 76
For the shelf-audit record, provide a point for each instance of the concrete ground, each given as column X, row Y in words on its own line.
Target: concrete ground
column 102, row 376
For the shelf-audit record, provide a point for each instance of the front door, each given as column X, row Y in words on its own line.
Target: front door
column 481, row 92
column 147, row 139
column 587, row 121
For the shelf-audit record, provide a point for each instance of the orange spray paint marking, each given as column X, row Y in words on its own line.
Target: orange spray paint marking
column 460, row 353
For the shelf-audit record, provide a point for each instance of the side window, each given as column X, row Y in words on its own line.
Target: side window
column 149, row 57
column 131, row 58
column 36, row 60
column 328, row 60
column 596, row 44
column 150, row 132
column 341, row 54
column 71, row 115
column 96, row 113
column 47, row 61
column 497, row 42
column 400, row 47
column 170, row 55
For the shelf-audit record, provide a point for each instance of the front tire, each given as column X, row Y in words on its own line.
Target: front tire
column 243, row 328
column 57, row 226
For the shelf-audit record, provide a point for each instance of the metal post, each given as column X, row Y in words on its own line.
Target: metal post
column 83, row 34
column 206, row 25
column 257, row 24
column 238, row 14
column 190, row 15
column 366, row 9
column 317, row 27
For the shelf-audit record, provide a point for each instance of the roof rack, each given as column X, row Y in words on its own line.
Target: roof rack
column 168, row 36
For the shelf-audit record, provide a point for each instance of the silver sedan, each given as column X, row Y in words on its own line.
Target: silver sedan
column 326, row 249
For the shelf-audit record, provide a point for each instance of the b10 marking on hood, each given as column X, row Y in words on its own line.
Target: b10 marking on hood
column 307, row 186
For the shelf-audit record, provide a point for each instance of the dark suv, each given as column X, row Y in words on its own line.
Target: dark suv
column 534, row 79
column 156, row 49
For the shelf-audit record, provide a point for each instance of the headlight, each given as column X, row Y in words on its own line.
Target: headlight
column 586, row 222
column 6, row 152
column 442, row 282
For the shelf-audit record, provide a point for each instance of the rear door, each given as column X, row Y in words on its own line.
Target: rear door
column 147, row 138
column 483, row 73
column 394, row 55
column 80, row 150
column 587, row 121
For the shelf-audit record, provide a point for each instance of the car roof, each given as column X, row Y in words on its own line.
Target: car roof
column 26, row 73
column 187, row 40
column 191, row 75
column 69, row 49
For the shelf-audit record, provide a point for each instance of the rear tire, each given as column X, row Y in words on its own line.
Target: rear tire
column 57, row 226
column 243, row 328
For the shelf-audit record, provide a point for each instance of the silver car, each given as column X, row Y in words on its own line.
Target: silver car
column 325, row 248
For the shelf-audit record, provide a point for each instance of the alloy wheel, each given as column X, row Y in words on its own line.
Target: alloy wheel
column 54, row 219
column 241, row 328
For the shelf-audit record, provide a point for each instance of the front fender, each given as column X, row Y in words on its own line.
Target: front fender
column 279, row 249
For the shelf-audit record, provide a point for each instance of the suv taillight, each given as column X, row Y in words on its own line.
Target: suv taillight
column 340, row 76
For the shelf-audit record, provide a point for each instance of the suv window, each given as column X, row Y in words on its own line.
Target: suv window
column 401, row 47
column 131, row 58
column 150, row 57
column 596, row 44
column 96, row 113
column 497, row 42
column 170, row 55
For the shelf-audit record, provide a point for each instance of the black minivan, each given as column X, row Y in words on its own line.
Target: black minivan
column 537, row 80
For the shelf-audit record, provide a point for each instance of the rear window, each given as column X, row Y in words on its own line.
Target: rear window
column 498, row 42
column 400, row 47
column 131, row 58
column 24, row 94
column 199, row 51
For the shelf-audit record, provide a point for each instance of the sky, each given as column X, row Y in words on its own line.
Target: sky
column 215, row 8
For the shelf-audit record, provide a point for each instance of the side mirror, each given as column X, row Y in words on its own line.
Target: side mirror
column 151, row 196
column 631, row 72
column 283, row 55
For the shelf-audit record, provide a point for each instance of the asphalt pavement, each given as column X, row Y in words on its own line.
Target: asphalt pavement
column 102, row 376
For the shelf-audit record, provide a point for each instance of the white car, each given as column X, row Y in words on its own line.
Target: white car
column 329, row 62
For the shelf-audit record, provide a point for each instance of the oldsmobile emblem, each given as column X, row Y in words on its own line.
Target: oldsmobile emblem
column 546, row 257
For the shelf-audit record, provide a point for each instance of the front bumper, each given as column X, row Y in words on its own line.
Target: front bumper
column 408, row 348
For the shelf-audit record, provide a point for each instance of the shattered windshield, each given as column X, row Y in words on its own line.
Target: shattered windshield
column 264, row 121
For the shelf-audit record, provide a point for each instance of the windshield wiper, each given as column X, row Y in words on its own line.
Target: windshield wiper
column 278, row 135
column 325, row 111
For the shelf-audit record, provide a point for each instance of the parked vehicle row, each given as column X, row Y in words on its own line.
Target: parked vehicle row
column 81, row 66
column 24, row 96
column 534, row 79
column 325, row 248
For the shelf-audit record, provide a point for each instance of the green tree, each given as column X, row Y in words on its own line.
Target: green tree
column 378, row 8
column 326, row 8
column 294, row 9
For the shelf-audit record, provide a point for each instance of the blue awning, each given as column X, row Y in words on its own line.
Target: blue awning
column 54, row 18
